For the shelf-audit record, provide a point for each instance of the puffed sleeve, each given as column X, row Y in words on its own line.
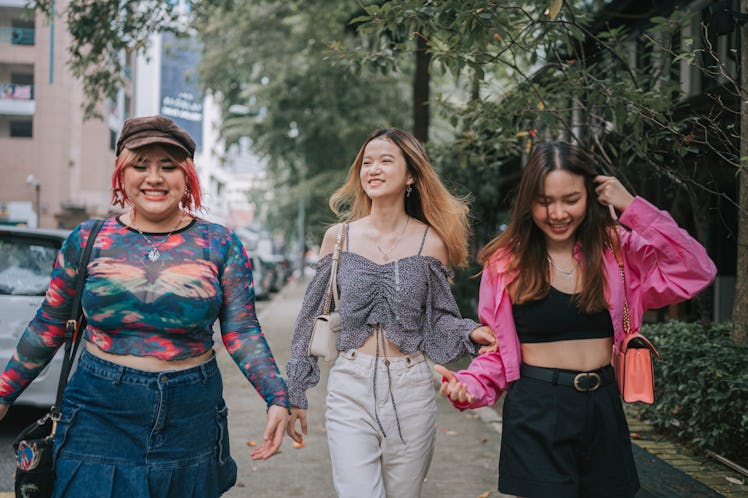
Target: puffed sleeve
column 448, row 334
column 665, row 265
column 240, row 329
column 302, row 370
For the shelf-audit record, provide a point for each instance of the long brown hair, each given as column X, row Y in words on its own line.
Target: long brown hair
column 429, row 201
column 526, row 242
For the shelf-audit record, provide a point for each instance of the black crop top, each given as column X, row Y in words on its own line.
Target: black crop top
column 557, row 318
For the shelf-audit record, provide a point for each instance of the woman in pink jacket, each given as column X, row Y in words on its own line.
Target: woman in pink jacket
column 552, row 291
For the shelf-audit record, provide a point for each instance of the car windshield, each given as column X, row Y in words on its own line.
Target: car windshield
column 25, row 265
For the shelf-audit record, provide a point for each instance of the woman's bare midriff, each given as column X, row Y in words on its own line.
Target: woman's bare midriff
column 149, row 363
column 370, row 347
column 582, row 355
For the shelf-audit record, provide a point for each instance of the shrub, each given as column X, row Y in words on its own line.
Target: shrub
column 701, row 387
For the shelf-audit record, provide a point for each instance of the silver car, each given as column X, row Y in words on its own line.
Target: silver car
column 27, row 256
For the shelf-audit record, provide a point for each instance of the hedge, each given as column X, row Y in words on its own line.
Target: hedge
column 701, row 387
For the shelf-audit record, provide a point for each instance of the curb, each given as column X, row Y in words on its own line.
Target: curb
column 708, row 473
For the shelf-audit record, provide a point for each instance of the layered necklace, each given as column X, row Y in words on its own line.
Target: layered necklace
column 566, row 274
column 154, row 254
column 386, row 254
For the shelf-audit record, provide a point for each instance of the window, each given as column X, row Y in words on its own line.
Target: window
column 21, row 128
column 22, row 32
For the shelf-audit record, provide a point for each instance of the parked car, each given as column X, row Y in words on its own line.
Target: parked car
column 27, row 256
column 259, row 279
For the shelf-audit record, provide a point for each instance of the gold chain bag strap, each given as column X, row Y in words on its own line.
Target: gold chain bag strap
column 324, row 340
column 633, row 360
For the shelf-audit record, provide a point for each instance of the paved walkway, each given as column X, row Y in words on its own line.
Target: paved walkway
column 465, row 463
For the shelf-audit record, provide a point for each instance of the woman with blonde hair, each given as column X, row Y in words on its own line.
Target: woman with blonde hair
column 402, row 230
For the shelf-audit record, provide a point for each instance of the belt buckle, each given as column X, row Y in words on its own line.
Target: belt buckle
column 578, row 378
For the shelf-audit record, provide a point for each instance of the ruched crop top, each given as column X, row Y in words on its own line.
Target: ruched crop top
column 557, row 318
column 410, row 298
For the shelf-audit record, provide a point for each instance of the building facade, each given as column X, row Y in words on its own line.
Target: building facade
column 53, row 159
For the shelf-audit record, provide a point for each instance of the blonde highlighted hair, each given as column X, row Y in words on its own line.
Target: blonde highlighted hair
column 429, row 201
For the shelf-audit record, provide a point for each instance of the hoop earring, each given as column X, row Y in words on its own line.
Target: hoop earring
column 408, row 190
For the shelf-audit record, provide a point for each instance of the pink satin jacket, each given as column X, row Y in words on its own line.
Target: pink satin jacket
column 663, row 264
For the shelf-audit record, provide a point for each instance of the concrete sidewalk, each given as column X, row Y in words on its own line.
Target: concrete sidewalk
column 465, row 462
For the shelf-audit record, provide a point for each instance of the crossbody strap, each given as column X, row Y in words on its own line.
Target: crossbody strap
column 332, row 291
column 76, row 322
column 616, row 248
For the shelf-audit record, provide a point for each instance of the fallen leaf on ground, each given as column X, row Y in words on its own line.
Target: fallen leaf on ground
column 484, row 495
column 636, row 435
column 298, row 445
column 251, row 442
column 734, row 481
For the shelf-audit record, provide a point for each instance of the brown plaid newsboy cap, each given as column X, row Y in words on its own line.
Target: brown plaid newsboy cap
column 139, row 132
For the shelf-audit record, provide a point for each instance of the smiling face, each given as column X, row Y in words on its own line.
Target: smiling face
column 561, row 206
column 384, row 171
column 154, row 184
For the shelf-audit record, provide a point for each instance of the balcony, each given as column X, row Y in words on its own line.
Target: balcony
column 17, row 99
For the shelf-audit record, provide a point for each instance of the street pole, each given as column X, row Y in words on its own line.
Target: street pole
column 38, row 188
column 740, row 308
column 302, row 223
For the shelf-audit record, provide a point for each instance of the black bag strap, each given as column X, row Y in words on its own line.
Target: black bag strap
column 77, row 321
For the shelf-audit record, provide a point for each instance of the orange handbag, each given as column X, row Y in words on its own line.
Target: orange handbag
column 633, row 361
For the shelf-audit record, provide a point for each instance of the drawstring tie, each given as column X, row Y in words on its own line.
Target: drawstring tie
column 380, row 337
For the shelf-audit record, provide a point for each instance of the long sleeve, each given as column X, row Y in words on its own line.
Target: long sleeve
column 485, row 380
column 664, row 264
column 240, row 329
column 449, row 334
column 46, row 332
column 302, row 370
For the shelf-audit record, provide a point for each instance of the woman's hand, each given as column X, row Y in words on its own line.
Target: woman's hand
column 3, row 410
column 300, row 415
column 610, row 192
column 453, row 388
column 484, row 336
column 277, row 419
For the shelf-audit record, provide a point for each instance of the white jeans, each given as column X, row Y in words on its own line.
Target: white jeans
column 365, row 462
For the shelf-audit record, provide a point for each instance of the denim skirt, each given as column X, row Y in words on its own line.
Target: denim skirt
column 134, row 434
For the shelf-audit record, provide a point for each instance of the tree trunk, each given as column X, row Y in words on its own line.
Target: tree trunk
column 740, row 309
column 421, row 91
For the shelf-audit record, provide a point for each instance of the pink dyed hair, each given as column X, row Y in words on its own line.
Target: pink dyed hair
column 192, row 200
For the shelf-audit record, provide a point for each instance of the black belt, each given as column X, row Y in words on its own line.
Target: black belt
column 581, row 381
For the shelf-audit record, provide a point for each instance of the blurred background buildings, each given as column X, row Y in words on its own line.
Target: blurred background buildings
column 56, row 167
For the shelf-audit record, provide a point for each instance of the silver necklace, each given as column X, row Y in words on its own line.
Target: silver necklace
column 154, row 254
column 386, row 254
column 567, row 274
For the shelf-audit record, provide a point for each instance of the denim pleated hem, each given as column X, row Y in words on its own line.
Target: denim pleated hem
column 126, row 433
column 84, row 479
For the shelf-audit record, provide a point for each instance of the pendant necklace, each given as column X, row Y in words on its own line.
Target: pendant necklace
column 154, row 254
column 567, row 274
column 386, row 254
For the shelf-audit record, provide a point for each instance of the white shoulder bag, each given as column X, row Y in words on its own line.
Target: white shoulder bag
column 324, row 340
